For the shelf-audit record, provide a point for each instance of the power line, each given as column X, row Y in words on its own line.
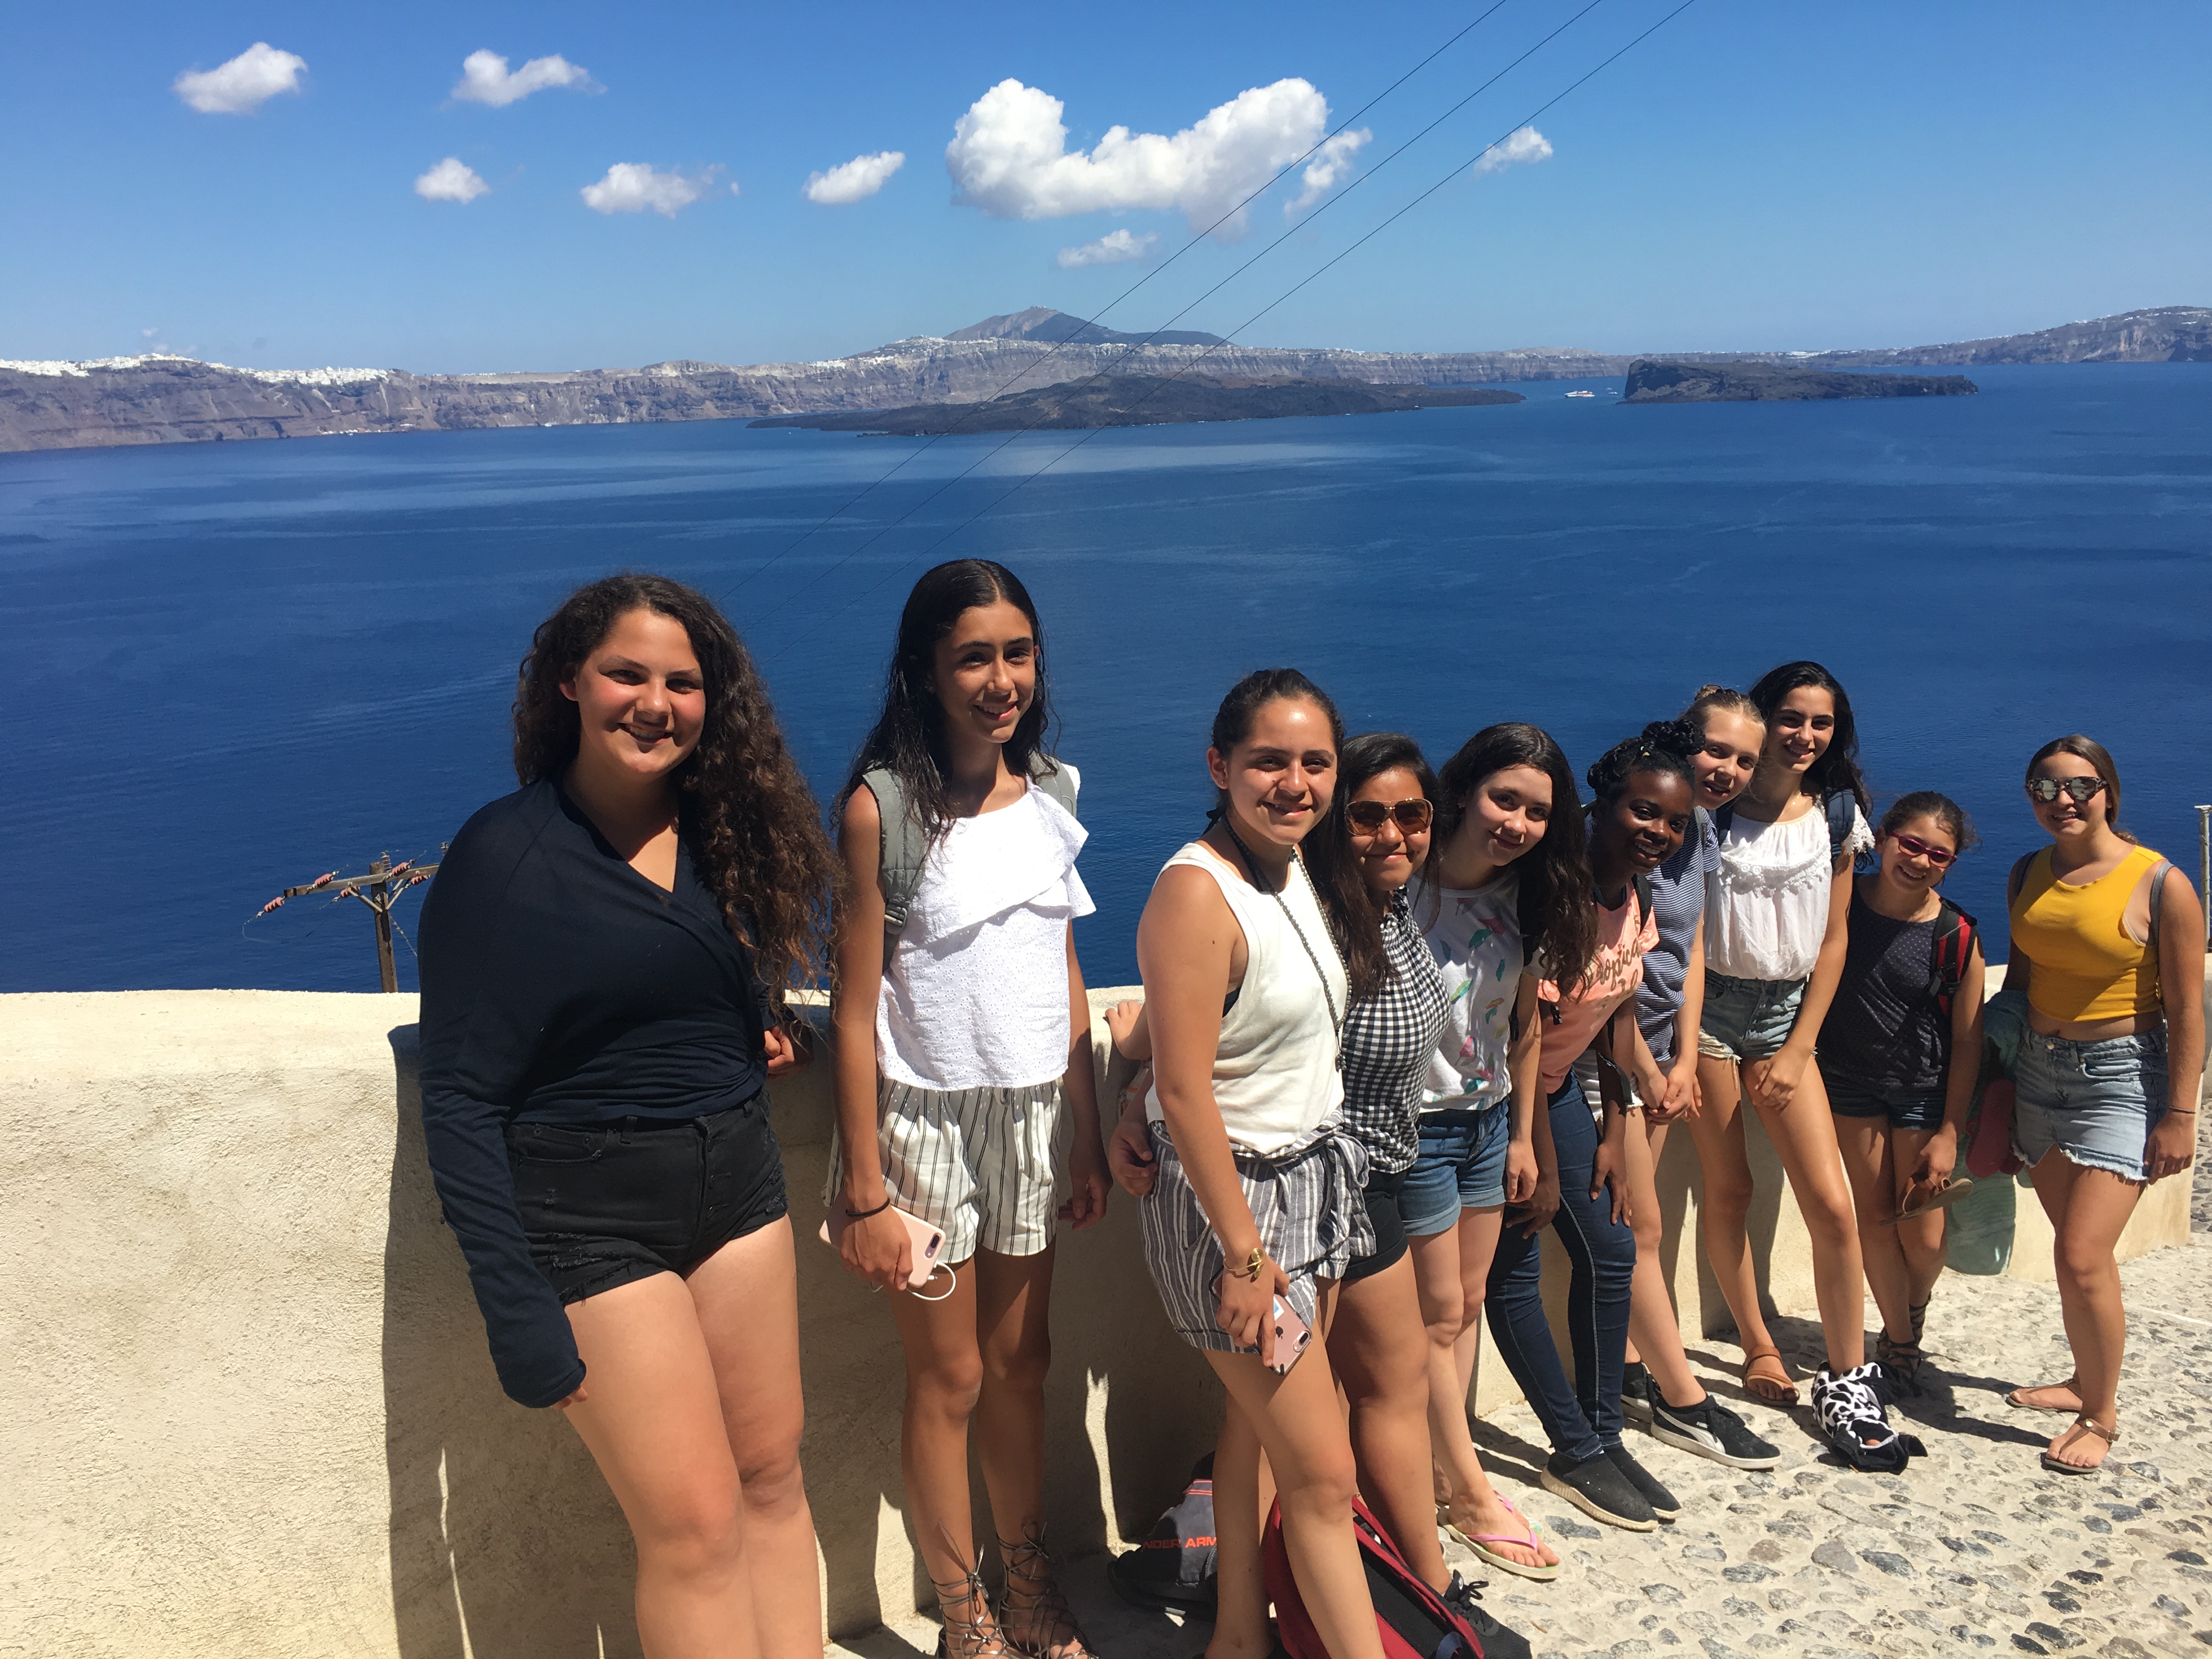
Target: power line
column 1169, row 379
column 840, row 562
column 378, row 887
column 1092, row 321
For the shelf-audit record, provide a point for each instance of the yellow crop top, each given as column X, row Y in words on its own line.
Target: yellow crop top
column 2087, row 966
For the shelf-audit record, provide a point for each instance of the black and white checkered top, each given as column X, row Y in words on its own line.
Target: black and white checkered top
column 1387, row 1039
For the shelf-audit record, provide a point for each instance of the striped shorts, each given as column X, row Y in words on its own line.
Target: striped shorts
column 979, row 1162
column 1306, row 1201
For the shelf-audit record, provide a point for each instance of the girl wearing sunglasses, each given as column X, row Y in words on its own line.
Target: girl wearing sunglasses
column 1910, row 1000
column 2107, row 946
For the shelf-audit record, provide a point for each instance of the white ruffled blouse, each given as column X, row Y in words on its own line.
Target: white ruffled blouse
column 1766, row 899
column 976, row 993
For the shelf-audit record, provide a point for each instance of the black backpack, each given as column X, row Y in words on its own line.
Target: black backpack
column 1952, row 950
column 1174, row 1566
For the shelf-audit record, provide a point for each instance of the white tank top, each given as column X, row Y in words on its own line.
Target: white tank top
column 1275, row 1077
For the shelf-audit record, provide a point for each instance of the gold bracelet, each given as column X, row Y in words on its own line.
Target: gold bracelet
column 1256, row 1261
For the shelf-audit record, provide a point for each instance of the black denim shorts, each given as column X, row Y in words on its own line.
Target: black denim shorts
column 1382, row 1194
column 603, row 1204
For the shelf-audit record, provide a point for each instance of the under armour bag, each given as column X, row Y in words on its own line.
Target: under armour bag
column 1414, row 1620
column 1174, row 1567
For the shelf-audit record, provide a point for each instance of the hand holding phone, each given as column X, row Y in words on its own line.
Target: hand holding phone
column 1285, row 1338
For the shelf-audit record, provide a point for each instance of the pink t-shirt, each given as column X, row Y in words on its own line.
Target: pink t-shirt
column 1623, row 937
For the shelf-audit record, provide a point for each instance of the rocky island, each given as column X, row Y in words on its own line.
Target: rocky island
column 162, row 398
column 1651, row 382
column 1149, row 400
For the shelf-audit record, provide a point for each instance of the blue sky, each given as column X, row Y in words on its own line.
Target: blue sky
column 1755, row 175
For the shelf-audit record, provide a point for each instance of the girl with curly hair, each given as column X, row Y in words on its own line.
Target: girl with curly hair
column 604, row 954
column 963, row 1065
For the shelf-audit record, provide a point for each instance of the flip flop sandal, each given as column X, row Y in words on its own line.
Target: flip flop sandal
column 1949, row 1193
column 2074, row 1382
column 2109, row 1437
column 1752, row 1384
column 1477, row 1542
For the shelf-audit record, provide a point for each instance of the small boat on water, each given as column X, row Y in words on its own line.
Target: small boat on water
column 1582, row 394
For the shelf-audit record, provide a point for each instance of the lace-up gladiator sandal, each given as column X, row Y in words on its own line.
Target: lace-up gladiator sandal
column 1900, row 1362
column 970, row 1631
column 1034, row 1617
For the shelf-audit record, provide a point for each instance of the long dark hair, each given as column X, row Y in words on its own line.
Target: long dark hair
column 2088, row 749
column 1663, row 747
column 1838, row 765
column 1326, row 850
column 754, row 827
column 908, row 740
column 1554, row 874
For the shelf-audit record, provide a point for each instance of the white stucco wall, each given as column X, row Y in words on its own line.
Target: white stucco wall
column 248, row 1411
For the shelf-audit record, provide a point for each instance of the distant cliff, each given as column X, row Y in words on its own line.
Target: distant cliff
column 1150, row 400
column 1651, row 382
column 165, row 400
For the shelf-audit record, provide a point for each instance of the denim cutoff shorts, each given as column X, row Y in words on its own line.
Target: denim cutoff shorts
column 2095, row 1102
column 1461, row 1166
column 1747, row 1019
column 1905, row 1108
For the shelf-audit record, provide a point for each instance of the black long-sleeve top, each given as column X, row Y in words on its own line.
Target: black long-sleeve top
column 559, row 986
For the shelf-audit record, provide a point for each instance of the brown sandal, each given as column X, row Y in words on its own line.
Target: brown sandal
column 2072, row 1384
column 1775, row 1389
column 1033, row 1616
column 2109, row 1437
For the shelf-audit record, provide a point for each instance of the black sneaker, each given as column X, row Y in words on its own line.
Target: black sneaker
column 1663, row 1503
column 1498, row 1641
column 1711, row 1430
column 1636, row 1394
column 1600, row 1491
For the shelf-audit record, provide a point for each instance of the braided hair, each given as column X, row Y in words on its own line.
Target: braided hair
column 1664, row 747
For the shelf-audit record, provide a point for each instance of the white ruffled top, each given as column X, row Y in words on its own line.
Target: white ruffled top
column 976, row 993
column 1766, row 900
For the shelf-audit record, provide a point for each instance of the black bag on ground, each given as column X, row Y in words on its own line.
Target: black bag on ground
column 1174, row 1566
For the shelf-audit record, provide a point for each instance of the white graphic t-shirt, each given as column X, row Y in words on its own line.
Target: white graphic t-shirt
column 1475, row 937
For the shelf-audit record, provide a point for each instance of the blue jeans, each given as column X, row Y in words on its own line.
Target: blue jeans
column 1583, row 1420
column 2095, row 1102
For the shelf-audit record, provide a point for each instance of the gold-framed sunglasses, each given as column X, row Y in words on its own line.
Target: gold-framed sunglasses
column 1412, row 817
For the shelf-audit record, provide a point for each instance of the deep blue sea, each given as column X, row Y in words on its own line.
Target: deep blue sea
column 237, row 665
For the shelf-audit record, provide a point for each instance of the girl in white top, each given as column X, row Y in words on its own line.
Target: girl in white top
column 1776, row 905
column 963, row 1054
column 1257, row 1193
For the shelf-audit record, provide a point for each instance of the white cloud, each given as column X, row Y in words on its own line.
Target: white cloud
column 1115, row 248
column 1522, row 144
column 486, row 79
column 1009, row 156
column 1330, row 163
column 451, row 180
column 855, row 180
column 633, row 186
column 245, row 83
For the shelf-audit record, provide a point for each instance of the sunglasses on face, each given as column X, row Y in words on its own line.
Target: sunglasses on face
column 1921, row 850
column 1412, row 816
column 2076, row 790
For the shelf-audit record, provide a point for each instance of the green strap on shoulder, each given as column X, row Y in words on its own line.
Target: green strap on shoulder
column 906, row 846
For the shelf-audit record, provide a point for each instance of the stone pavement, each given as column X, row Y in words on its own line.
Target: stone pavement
column 1976, row 1549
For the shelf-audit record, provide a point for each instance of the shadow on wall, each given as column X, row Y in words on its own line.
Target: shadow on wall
column 506, row 1544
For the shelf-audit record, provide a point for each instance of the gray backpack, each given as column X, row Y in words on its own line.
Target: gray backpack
column 906, row 847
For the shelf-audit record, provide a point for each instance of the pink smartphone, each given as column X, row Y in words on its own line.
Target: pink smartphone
column 928, row 1243
column 1285, row 1338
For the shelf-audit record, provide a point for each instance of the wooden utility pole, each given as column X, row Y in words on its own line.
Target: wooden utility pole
column 378, row 887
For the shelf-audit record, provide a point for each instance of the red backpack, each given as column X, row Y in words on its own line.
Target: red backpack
column 1414, row 1621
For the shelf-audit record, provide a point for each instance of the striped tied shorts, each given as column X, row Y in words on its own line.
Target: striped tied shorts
column 1306, row 1201
column 979, row 1162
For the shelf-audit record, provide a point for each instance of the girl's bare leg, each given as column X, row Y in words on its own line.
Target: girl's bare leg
column 1380, row 1352
column 1870, row 1162
column 1724, row 1219
column 1656, row 1333
column 1804, row 1134
column 2088, row 1209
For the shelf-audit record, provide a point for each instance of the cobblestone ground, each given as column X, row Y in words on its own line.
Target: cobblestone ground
column 2200, row 1195
column 1975, row 1549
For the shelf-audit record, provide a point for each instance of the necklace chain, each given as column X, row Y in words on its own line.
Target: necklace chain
column 1251, row 869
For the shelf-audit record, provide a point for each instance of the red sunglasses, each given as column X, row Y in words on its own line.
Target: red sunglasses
column 1921, row 850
